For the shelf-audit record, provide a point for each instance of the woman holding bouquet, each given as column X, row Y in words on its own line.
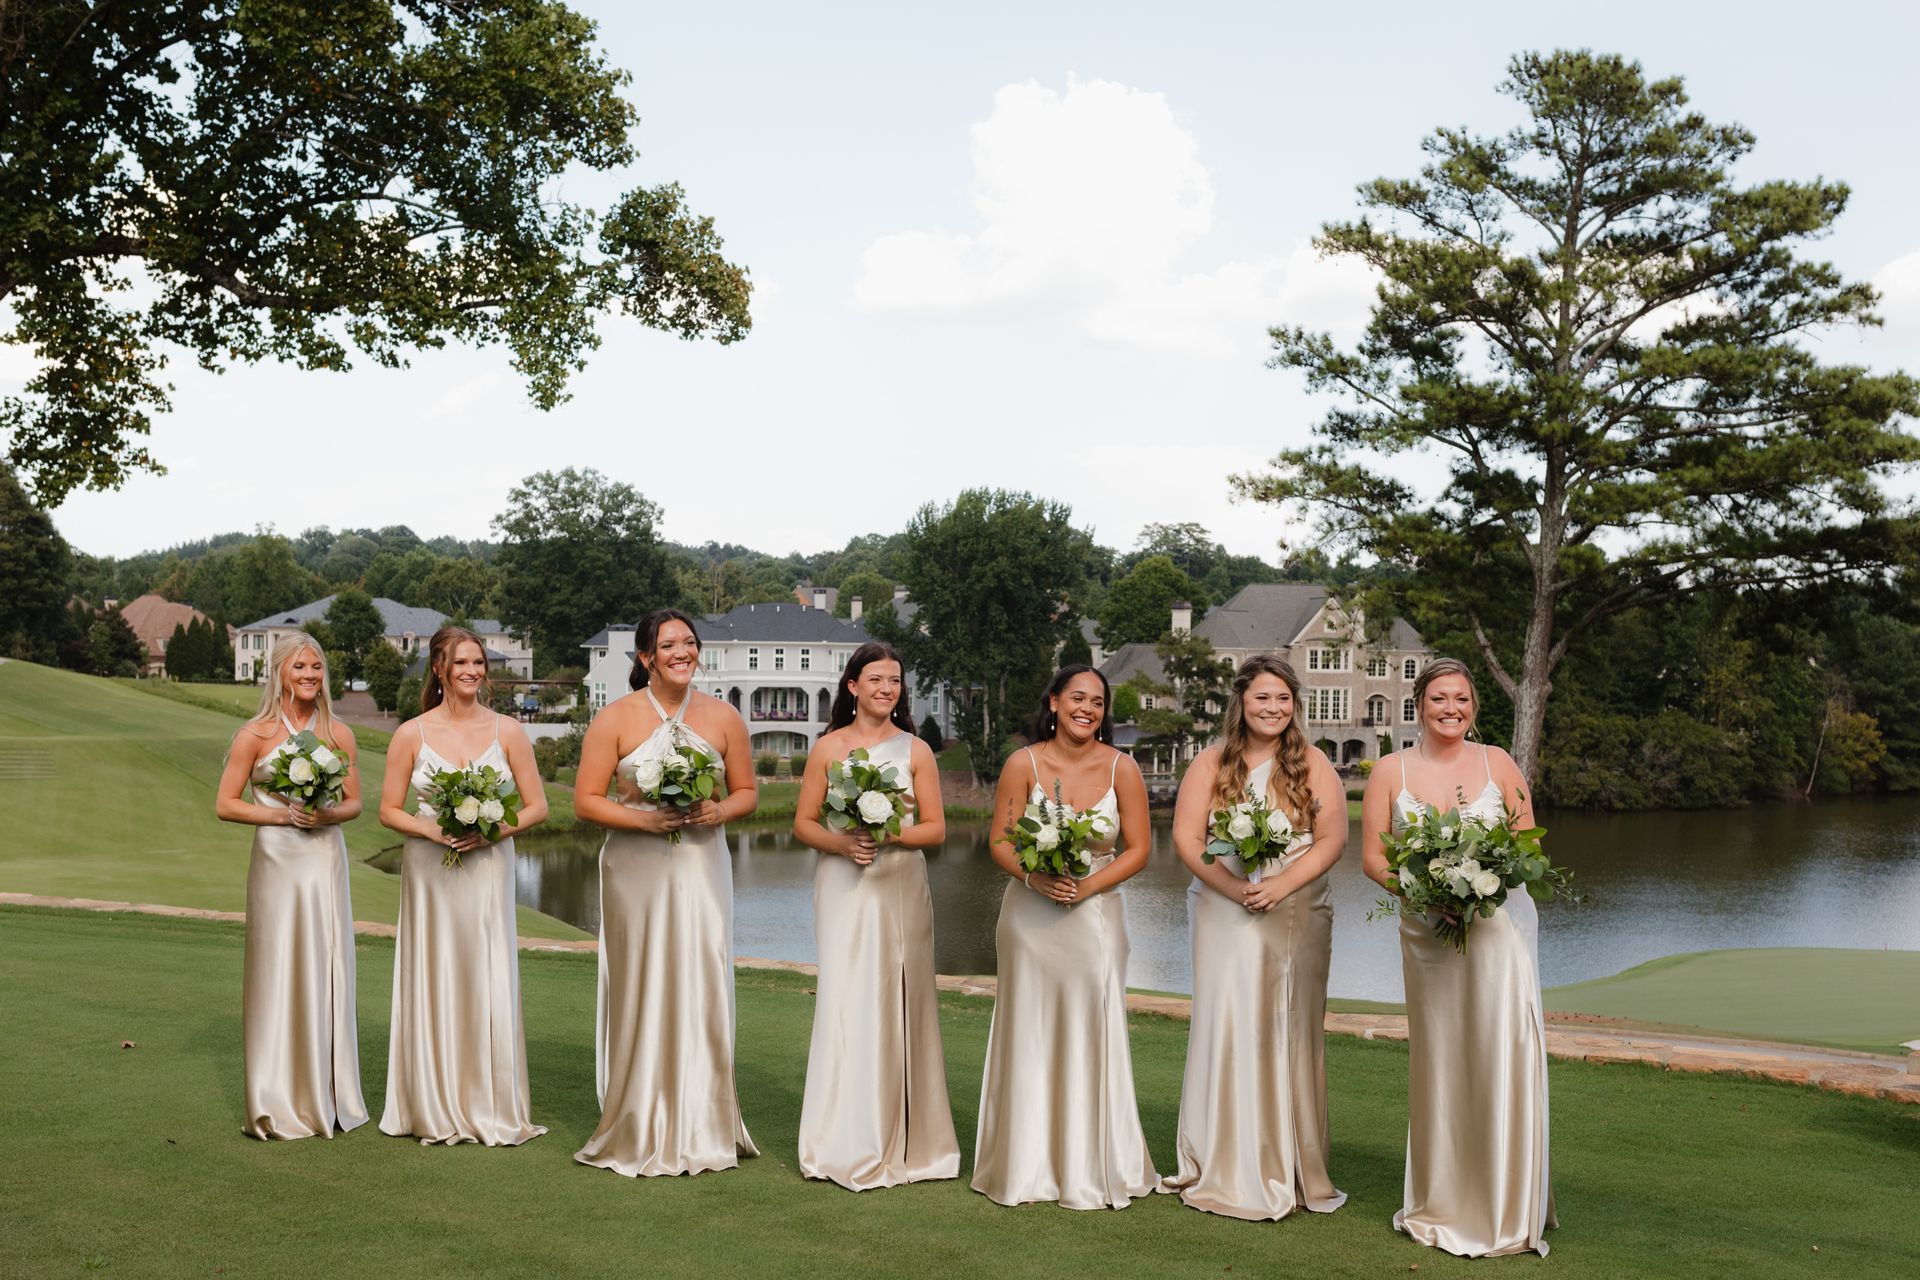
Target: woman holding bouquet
column 1058, row 1119
column 663, row 1056
column 1476, row 1180
column 457, row 1052
column 876, row 1111
column 302, row 1046
column 1253, row 1106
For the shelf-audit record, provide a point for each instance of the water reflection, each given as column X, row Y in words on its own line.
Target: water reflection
column 1841, row 874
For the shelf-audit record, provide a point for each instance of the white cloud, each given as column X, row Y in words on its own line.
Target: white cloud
column 1899, row 286
column 1087, row 203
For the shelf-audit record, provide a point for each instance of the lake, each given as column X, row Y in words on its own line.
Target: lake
column 1834, row 874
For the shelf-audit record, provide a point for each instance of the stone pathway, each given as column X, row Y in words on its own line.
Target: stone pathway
column 1579, row 1036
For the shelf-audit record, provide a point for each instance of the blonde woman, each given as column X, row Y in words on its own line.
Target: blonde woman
column 301, row 1040
column 456, row 1050
column 1476, row 1181
column 1253, row 1105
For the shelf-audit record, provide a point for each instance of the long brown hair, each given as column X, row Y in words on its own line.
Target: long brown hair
column 1433, row 671
column 845, row 705
column 440, row 652
column 1288, row 784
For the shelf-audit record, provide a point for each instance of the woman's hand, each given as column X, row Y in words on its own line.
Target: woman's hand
column 705, row 813
column 298, row 815
column 1062, row 889
column 463, row 844
column 859, row 845
column 661, row 821
column 1264, row 896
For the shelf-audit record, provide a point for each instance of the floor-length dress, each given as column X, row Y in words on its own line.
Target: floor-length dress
column 1058, row 1120
column 457, row 1051
column 1253, row 1103
column 664, row 1030
column 875, row 1111
column 301, row 1039
column 1476, row 1181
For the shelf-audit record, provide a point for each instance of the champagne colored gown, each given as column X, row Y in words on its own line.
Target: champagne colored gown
column 1253, row 1104
column 1058, row 1119
column 302, row 1042
column 664, row 1030
column 876, row 1112
column 1476, row 1180
column 457, row 1052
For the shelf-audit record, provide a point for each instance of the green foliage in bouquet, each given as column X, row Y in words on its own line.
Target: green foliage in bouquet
column 1454, row 870
column 1052, row 837
column 308, row 773
column 683, row 777
column 1250, row 831
column 464, row 801
column 863, row 794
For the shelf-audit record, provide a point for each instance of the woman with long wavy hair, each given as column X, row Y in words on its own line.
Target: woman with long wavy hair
column 1253, row 1104
column 664, row 1027
column 1477, row 1173
column 456, row 1049
column 1058, row 1119
column 302, row 1045
column 875, row 1112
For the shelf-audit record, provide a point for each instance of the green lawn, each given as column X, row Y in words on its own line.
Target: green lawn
column 1809, row 995
column 131, row 1162
column 128, row 813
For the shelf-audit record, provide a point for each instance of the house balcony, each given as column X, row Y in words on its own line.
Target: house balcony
column 798, row 717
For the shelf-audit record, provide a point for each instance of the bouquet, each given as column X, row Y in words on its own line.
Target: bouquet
column 464, row 801
column 682, row 777
column 863, row 794
column 1052, row 836
column 1460, row 869
column 308, row 772
column 1253, row 833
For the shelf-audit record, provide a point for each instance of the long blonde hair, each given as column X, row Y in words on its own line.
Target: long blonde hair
column 1289, row 785
column 285, row 649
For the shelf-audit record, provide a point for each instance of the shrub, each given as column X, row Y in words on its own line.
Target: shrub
column 765, row 763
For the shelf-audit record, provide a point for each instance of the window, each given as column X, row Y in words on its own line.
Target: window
column 779, row 659
column 806, row 659
column 246, row 671
column 1410, row 668
column 933, row 702
column 710, row 659
column 1328, row 705
column 1146, row 702
column 753, row 659
column 599, row 693
column 1376, row 710
column 1377, row 666
column 1326, row 658
column 1409, row 713
column 1406, row 744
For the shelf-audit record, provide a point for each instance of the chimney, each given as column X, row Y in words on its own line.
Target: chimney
column 1182, row 617
column 820, row 597
column 855, row 608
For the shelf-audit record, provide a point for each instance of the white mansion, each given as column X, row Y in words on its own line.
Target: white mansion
column 1354, row 693
column 778, row 665
column 404, row 627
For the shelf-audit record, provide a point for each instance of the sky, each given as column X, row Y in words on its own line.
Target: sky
column 1021, row 245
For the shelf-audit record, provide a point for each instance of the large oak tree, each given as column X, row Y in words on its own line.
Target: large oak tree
column 1603, row 340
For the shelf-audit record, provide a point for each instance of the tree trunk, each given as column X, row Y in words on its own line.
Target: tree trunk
column 1533, row 683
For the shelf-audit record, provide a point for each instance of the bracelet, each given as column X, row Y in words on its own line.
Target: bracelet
column 1027, row 880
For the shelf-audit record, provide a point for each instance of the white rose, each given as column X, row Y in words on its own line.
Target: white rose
column 1240, row 826
column 1101, row 826
column 467, row 812
column 301, row 769
column 1407, row 879
column 1437, row 868
column 326, row 759
column 1047, row 836
column 1469, row 869
column 1486, row 884
column 874, row 808
column 1278, row 828
column 646, row 774
column 493, row 810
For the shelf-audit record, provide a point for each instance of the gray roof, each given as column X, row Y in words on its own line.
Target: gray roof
column 1133, row 659
column 780, row 623
column 603, row 638
column 1262, row 615
column 396, row 619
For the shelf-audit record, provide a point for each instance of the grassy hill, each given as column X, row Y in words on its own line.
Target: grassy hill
column 117, row 801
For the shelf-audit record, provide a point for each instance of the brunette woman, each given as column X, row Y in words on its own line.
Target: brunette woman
column 302, row 1046
column 1476, row 1180
column 875, row 1112
column 664, row 1033
column 457, row 1052
column 1058, row 1119
column 1253, row 1106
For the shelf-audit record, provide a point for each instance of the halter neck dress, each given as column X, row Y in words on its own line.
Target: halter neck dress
column 664, row 1027
column 875, row 1112
column 457, row 1050
column 1253, row 1102
column 1058, row 1120
column 301, row 1036
column 1477, row 1179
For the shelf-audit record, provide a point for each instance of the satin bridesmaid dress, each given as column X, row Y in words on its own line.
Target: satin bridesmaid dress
column 1058, row 1119
column 664, row 1030
column 875, row 1112
column 457, row 1051
column 1253, row 1104
column 302, row 1041
column 1477, row 1181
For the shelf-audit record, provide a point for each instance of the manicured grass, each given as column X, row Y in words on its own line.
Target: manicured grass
column 128, row 813
column 1808, row 995
column 132, row 1162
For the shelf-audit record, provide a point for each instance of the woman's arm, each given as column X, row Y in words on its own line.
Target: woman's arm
column 1376, row 819
column 1513, row 788
column 1192, row 813
column 526, row 779
column 349, row 807
column 1329, row 837
column 929, row 814
column 743, row 797
column 1136, row 830
column 229, row 804
column 807, row 827
column 394, row 814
